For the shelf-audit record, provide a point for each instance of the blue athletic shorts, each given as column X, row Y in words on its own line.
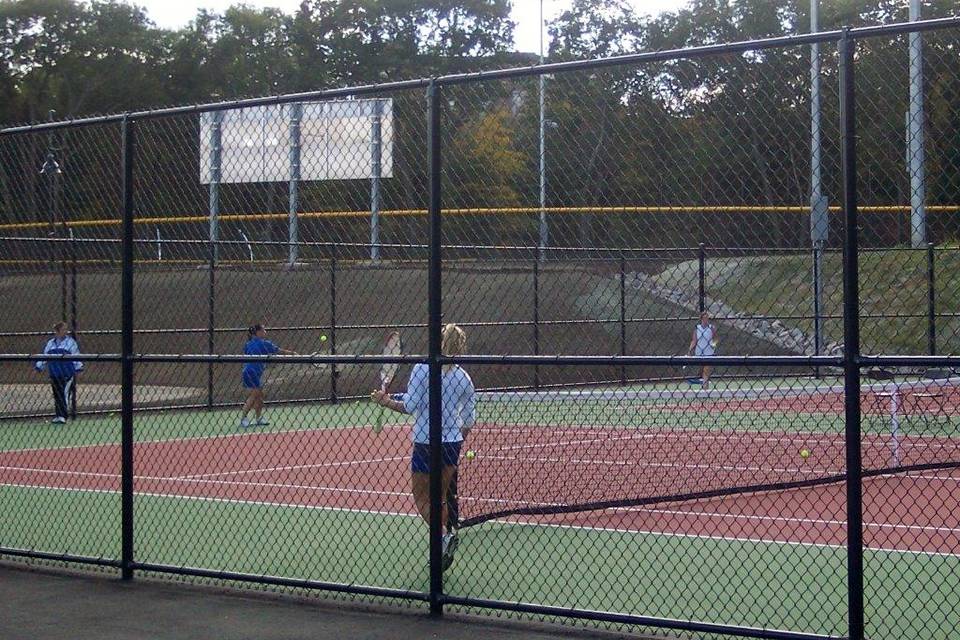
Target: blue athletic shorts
column 251, row 378
column 420, row 460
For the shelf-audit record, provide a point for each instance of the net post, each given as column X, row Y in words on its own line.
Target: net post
column 851, row 341
column 931, row 302
column 701, row 276
column 333, row 322
column 434, row 338
column 536, row 319
column 126, row 395
column 623, row 314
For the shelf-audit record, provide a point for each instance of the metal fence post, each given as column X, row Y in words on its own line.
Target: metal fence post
column 701, row 276
column 211, row 315
column 333, row 322
column 931, row 301
column 536, row 319
column 851, row 341
column 73, row 314
column 623, row 314
column 126, row 348
column 817, row 302
column 435, row 339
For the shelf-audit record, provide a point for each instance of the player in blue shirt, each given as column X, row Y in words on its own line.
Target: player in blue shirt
column 61, row 372
column 257, row 345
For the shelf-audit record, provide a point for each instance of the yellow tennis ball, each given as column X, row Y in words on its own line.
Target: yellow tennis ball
column 471, row 455
column 323, row 338
column 804, row 453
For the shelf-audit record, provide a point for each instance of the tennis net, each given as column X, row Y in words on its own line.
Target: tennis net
column 555, row 452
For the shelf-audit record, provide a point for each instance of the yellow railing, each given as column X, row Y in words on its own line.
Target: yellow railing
column 392, row 213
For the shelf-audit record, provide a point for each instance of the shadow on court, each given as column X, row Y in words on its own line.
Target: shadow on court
column 40, row 604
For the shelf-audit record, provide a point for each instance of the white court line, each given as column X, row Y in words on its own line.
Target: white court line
column 234, row 501
column 324, row 465
column 200, row 481
column 634, row 463
column 222, row 436
column 761, row 541
column 796, row 520
column 734, row 435
column 506, row 523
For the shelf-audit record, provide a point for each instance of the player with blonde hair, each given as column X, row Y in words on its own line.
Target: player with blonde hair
column 458, row 400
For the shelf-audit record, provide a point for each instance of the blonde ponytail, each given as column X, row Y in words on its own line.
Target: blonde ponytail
column 453, row 341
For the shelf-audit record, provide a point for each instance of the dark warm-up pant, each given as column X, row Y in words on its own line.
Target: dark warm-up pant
column 62, row 387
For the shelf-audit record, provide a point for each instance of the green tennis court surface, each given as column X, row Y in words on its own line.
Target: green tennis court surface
column 317, row 495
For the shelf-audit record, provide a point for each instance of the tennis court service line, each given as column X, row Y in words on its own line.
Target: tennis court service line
column 231, row 501
column 735, row 539
column 222, row 436
column 789, row 519
column 323, row 465
column 634, row 462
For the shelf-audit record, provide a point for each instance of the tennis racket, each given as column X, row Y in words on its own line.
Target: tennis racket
column 391, row 347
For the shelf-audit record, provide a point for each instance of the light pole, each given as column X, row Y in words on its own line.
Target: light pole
column 915, row 150
column 819, row 212
column 544, row 237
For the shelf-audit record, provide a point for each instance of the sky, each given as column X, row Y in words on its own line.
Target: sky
column 526, row 13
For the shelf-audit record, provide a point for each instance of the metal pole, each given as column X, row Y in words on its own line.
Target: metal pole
column 931, row 301
column 62, row 250
column 435, row 329
column 623, row 314
column 293, row 231
column 544, row 231
column 817, row 301
column 818, row 204
column 536, row 321
column 851, row 341
column 126, row 379
column 918, row 213
column 376, row 123
column 333, row 322
column 211, row 316
column 73, row 314
column 701, row 276
column 215, row 176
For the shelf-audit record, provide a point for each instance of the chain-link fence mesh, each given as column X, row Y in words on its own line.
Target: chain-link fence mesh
column 655, row 429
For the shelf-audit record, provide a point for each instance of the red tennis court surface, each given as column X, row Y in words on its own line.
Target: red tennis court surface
column 355, row 469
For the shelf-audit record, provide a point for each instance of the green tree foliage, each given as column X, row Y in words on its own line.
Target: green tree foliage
column 723, row 130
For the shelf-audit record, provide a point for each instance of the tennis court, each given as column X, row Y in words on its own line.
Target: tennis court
column 678, row 469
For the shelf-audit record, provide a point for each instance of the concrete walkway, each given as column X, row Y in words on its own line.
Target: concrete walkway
column 41, row 604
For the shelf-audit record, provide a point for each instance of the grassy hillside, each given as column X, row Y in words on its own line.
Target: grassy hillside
column 579, row 311
column 893, row 294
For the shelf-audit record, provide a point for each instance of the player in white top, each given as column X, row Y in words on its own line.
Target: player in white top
column 703, row 343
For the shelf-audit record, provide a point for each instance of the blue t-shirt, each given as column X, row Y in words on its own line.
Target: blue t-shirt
column 258, row 347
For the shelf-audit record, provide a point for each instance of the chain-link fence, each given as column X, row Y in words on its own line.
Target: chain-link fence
column 673, row 353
